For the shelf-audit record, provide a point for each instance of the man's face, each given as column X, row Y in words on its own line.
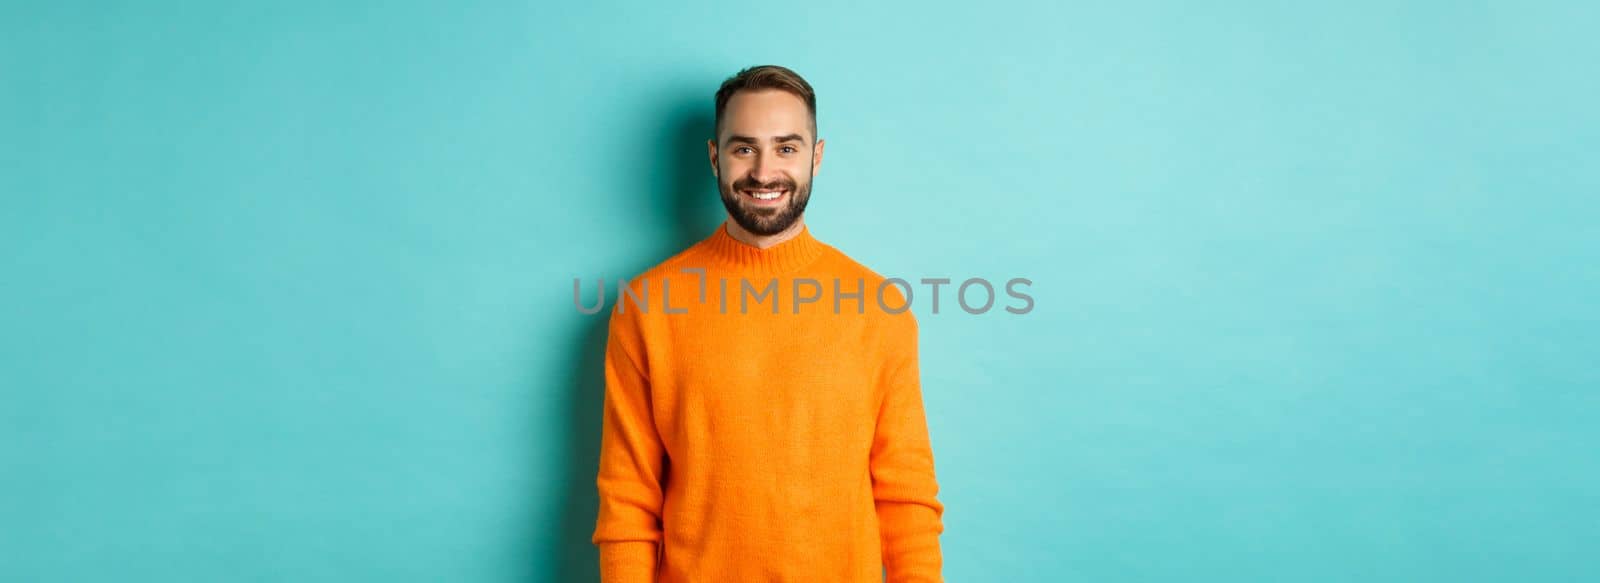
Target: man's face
column 764, row 158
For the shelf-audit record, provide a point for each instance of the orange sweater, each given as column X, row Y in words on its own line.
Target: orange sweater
column 768, row 445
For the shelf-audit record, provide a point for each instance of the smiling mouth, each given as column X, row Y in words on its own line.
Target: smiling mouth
column 767, row 196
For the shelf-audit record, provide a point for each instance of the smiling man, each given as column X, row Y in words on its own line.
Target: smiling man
column 785, row 443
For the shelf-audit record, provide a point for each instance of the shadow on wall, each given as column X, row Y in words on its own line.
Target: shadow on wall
column 679, row 190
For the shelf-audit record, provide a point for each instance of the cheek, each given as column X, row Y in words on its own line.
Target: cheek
column 733, row 168
column 797, row 168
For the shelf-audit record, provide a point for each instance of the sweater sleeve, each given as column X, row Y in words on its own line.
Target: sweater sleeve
column 632, row 461
column 903, row 486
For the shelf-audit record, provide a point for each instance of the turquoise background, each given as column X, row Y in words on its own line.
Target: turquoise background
column 288, row 286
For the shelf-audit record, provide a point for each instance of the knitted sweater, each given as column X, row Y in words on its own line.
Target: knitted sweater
column 752, row 435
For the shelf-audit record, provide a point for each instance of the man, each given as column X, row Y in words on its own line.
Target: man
column 753, row 430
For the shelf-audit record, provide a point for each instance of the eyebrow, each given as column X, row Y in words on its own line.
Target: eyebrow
column 780, row 139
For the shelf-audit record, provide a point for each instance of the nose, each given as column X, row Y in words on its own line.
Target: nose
column 765, row 171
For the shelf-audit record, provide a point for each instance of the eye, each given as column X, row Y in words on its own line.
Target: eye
column 790, row 149
column 742, row 150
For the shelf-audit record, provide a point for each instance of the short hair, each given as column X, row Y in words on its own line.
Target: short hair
column 766, row 77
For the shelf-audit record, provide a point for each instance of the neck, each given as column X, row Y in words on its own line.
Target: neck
column 763, row 241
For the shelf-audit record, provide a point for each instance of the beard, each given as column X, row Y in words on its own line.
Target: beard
column 759, row 220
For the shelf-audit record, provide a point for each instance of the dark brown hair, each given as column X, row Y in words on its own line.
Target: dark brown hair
column 766, row 77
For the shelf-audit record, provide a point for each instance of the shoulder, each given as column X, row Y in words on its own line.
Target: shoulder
column 885, row 295
column 650, row 279
column 638, row 293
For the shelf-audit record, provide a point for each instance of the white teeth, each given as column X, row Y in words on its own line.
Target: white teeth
column 767, row 195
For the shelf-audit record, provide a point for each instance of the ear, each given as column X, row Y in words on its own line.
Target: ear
column 711, row 152
column 816, row 156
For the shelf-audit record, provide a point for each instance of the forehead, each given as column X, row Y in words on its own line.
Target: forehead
column 765, row 113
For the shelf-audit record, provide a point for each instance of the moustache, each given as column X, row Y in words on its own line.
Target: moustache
column 749, row 184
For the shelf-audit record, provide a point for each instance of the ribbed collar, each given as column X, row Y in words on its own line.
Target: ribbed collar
column 799, row 251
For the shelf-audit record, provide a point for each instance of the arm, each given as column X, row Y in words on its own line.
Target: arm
column 903, row 484
column 628, row 529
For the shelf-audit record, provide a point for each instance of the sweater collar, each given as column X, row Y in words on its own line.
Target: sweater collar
column 795, row 253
